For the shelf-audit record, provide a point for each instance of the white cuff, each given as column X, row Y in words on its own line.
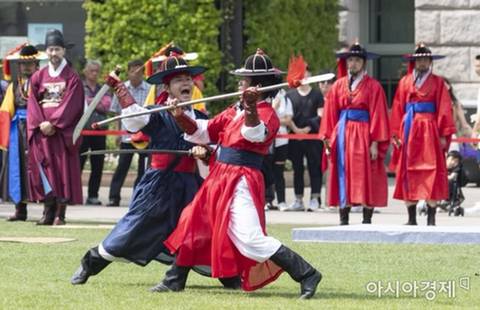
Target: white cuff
column 134, row 124
column 255, row 134
column 200, row 136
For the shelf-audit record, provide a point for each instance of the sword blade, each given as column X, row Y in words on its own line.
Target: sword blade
column 86, row 116
column 138, row 151
column 309, row 80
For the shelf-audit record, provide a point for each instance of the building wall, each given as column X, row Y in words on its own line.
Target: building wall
column 452, row 28
column 449, row 27
column 15, row 16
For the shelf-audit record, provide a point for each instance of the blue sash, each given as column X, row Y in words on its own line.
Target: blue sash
column 236, row 157
column 346, row 115
column 14, row 171
column 411, row 109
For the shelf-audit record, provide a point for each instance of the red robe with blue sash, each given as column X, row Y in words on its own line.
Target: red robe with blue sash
column 365, row 180
column 420, row 166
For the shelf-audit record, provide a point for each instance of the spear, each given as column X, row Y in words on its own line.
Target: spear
column 138, row 151
column 295, row 78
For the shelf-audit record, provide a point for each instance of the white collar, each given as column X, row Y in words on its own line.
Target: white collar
column 419, row 82
column 357, row 79
column 56, row 72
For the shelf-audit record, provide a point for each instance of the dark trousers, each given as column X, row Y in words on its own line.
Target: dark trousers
column 312, row 150
column 96, row 162
column 274, row 166
column 121, row 171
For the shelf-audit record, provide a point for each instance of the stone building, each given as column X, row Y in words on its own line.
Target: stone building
column 391, row 28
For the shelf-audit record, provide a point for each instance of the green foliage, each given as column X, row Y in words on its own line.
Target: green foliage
column 283, row 27
column 121, row 30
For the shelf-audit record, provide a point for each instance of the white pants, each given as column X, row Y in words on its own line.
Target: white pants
column 245, row 230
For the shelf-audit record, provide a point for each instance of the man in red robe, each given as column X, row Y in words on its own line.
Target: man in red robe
column 224, row 225
column 356, row 132
column 422, row 125
column 55, row 106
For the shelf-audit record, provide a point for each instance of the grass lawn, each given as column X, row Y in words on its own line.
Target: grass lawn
column 36, row 276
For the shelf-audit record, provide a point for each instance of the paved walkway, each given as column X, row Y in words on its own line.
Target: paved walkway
column 394, row 214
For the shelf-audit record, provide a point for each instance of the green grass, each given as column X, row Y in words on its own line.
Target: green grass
column 36, row 276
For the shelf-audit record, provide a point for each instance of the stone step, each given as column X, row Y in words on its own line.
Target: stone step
column 390, row 234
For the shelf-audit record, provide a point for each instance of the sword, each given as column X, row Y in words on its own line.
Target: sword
column 139, row 151
column 91, row 107
column 309, row 80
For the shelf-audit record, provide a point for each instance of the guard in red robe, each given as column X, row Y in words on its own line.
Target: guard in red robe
column 422, row 125
column 55, row 105
column 356, row 132
column 224, row 225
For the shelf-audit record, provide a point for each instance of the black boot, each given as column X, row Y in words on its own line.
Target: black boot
column 49, row 210
column 412, row 215
column 60, row 215
column 92, row 263
column 299, row 270
column 367, row 215
column 431, row 211
column 20, row 213
column 344, row 212
column 174, row 281
column 233, row 283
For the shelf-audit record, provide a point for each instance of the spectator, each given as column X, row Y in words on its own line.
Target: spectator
column 139, row 90
column 476, row 126
column 91, row 88
column 307, row 106
column 325, row 86
column 461, row 124
column 276, row 160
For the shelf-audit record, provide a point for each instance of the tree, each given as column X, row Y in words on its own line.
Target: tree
column 121, row 30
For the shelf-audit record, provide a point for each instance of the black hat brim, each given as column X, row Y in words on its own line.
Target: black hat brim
column 158, row 77
column 410, row 57
column 367, row 55
column 241, row 72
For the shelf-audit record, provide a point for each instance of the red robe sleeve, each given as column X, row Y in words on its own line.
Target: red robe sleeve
column 217, row 124
column 446, row 126
column 379, row 129
column 34, row 111
column 398, row 108
column 330, row 113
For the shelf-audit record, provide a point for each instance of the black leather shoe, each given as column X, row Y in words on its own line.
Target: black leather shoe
column 80, row 276
column 113, row 203
column 174, row 281
column 233, row 283
column 93, row 201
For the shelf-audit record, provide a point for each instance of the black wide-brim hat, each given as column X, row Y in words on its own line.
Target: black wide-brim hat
column 54, row 37
column 174, row 65
column 422, row 51
column 357, row 50
column 258, row 64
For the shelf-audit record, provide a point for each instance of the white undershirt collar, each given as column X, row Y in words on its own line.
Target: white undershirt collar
column 56, row 72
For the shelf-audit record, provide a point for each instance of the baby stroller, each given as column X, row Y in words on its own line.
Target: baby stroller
column 457, row 179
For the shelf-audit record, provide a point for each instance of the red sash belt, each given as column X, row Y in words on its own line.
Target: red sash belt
column 185, row 164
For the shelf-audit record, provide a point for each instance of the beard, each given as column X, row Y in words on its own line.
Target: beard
column 55, row 60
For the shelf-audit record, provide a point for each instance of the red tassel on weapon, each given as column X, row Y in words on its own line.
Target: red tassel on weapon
column 296, row 71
